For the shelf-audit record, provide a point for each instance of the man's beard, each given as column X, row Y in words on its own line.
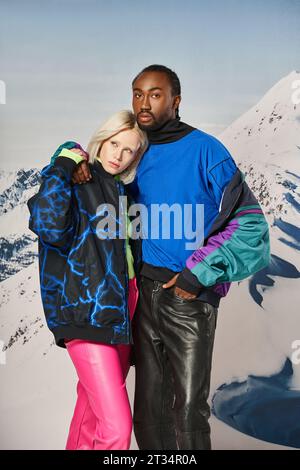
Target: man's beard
column 150, row 127
column 156, row 125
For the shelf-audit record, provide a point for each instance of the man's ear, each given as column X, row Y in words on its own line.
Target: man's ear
column 176, row 102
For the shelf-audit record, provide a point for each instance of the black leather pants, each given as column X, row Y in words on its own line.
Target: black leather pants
column 173, row 344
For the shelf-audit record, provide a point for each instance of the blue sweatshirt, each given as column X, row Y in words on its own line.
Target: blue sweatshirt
column 192, row 170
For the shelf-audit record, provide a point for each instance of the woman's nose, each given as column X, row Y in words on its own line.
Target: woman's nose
column 118, row 154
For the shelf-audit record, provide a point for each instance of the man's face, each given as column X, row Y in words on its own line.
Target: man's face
column 152, row 101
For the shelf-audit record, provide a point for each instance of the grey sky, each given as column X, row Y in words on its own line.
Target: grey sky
column 68, row 64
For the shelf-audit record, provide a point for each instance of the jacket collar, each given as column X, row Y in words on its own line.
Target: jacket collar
column 97, row 165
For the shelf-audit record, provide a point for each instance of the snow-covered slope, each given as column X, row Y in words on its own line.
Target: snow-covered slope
column 265, row 141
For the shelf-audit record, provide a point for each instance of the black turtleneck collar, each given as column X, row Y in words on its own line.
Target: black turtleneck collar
column 169, row 132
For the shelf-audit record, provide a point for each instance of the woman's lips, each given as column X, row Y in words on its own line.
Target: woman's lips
column 115, row 165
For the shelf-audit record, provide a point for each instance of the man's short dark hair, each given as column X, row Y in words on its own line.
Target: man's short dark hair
column 172, row 76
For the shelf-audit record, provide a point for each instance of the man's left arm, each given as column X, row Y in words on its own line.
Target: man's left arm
column 239, row 249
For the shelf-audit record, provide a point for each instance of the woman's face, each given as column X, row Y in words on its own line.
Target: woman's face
column 118, row 152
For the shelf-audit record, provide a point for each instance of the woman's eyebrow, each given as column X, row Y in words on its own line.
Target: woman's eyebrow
column 125, row 148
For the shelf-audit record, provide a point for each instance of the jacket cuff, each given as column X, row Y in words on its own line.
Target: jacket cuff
column 73, row 155
column 68, row 164
column 189, row 282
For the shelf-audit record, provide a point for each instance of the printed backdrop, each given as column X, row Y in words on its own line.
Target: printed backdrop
column 65, row 68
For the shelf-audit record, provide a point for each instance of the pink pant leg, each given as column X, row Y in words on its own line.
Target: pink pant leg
column 133, row 294
column 80, row 435
column 125, row 349
column 83, row 424
column 100, row 374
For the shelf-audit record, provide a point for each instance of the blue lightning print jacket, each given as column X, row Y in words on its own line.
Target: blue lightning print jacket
column 83, row 278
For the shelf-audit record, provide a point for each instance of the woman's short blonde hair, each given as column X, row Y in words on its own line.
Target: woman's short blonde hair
column 118, row 122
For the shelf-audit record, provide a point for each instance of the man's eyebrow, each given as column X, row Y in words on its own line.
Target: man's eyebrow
column 150, row 89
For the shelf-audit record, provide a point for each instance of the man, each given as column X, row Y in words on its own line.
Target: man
column 180, row 288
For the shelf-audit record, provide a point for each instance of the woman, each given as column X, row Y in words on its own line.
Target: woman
column 87, row 277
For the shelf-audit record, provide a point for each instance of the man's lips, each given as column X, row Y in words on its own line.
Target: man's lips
column 145, row 117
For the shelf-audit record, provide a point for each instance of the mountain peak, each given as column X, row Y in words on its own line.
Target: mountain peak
column 272, row 125
column 264, row 141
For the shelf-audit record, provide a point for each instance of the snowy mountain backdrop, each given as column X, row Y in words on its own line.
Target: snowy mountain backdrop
column 257, row 323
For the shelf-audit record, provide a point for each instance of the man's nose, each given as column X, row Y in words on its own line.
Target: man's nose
column 146, row 103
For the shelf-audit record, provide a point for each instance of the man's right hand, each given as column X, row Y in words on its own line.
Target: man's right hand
column 82, row 172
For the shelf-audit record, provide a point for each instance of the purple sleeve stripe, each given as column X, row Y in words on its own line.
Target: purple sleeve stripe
column 214, row 243
column 249, row 211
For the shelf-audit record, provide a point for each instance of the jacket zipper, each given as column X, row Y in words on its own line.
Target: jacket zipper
column 121, row 192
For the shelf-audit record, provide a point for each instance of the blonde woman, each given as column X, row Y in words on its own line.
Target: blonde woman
column 87, row 275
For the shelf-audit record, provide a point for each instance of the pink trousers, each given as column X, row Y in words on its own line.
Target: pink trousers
column 102, row 418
